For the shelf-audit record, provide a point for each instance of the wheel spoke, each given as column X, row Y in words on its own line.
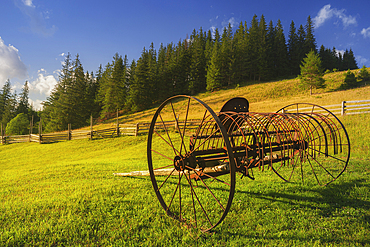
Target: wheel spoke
column 161, row 154
column 166, row 180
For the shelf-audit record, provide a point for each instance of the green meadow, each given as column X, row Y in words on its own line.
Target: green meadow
column 65, row 194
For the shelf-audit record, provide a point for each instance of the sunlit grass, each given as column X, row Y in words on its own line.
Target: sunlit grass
column 65, row 194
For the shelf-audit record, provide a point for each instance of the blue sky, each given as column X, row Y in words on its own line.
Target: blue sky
column 36, row 34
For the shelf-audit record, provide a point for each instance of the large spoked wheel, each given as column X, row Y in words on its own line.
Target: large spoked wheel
column 191, row 162
column 325, row 142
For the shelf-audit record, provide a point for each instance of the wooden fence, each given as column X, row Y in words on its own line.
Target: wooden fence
column 345, row 108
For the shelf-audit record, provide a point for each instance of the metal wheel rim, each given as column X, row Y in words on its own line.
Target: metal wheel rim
column 153, row 176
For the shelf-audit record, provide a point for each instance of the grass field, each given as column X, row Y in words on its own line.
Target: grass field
column 65, row 194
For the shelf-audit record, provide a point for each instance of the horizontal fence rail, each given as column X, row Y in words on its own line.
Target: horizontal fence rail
column 345, row 108
column 355, row 107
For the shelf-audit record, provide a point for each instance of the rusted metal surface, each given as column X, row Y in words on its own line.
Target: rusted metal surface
column 193, row 169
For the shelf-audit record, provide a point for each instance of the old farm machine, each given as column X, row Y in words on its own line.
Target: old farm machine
column 193, row 164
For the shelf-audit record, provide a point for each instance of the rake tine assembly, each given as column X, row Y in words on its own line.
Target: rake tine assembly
column 192, row 168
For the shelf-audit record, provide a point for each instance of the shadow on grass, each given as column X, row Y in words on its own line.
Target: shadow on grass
column 331, row 197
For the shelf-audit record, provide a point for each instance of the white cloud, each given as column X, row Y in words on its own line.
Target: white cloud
column 327, row 12
column 44, row 83
column 28, row 3
column 36, row 104
column 232, row 22
column 36, row 18
column 341, row 52
column 362, row 61
column 366, row 32
column 11, row 65
column 213, row 31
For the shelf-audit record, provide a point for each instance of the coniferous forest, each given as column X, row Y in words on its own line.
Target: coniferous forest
column 255, row 51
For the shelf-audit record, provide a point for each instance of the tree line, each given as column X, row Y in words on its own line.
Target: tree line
column 204, row 61
column 12, row 105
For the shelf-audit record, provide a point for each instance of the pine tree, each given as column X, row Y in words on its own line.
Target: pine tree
column 293, row 50
column 180, row 67
column 5, row 95
column 152, row 80
column 198, row 63
column 349, row 61
column 364, row 74
column 113, row 86
column 77, row 95
column 164, row 73
column 140, row 96
column 226, row 56
column 208, row 48
column 8, row 103
column 350, row 80
column 262, row 50
column 309, row 41
column 23, row 104
column 325, row 56
column 214, row 77
column 68, row 102
column 253, row 47
column 311, row 72
column 281, row 52
column 240, row 65
column 301, row 44
column 56, row 115
column 271, row 51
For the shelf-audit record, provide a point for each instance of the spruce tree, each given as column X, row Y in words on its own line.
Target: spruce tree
column 198, row 63
column 271, row 51
column 262, row 50
column 326, row 59
column 350, row 80
column 5, row 95
column 301, row 44
column 311, row 72
column 140, row 95
column 214, row 77
column 164, row 75
column 309, row 41
column 293, row 51
column 253, row 47
column 79, row 109
column 281, row 51
column 240, row 65
column 226, row 56
column 364, row 74
column 23, row 105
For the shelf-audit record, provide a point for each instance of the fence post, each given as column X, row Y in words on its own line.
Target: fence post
column 69, row 132
column 343, row 108
column 137, row 129
column 31, row 129
column 2, row 136
column 117, row 124
column 91, row 127
column 40, row 131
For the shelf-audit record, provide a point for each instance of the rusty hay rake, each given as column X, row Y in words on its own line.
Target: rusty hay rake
column 193, row 166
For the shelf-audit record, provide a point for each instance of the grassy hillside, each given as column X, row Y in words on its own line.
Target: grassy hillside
column 271, row 96
column 65, row 194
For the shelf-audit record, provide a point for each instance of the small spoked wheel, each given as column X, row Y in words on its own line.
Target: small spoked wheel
column 191, row 162
column 327, row 147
